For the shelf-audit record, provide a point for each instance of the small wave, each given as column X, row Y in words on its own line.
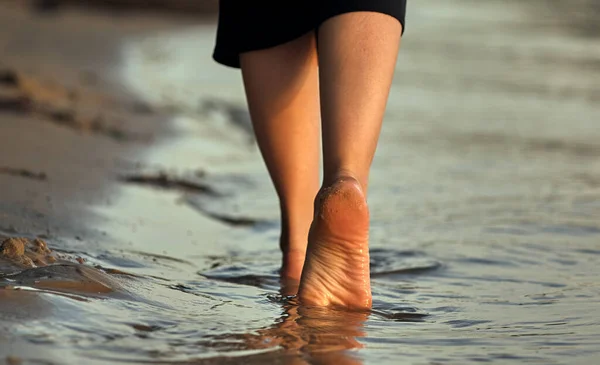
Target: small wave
column 388, row 262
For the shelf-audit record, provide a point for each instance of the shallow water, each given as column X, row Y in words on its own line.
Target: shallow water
column 485, row 200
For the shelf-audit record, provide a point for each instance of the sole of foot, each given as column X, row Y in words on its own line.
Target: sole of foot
column 336, row 271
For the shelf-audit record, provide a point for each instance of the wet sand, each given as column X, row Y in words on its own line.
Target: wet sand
column 70, row 130
column 128, row 152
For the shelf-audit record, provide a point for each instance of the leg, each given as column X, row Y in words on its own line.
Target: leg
column 357, row 57
column 282, row 90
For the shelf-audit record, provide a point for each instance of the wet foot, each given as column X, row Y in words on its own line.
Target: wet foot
column 336, row 271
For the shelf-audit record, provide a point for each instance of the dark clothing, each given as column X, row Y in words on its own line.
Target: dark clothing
column 248, row 25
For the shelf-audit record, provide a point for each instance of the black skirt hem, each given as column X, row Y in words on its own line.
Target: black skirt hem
column 233, row 37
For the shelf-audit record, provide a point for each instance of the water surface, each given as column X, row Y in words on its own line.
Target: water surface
column 485, row 199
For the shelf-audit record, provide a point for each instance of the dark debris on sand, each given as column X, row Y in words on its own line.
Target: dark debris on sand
column 14, row 102
column 23, row 94
column 165, row 181
column 40, row 176
column 8, row 78
column 231, row 220
column 190, row 184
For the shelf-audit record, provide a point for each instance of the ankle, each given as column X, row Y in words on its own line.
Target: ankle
column 292, row 263
column 293, row 246
column 294, row 237
column 342, row 174
column 294, row 232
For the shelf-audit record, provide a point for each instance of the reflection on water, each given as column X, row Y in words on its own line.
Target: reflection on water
column 485, row 200
column 300, row 335
column 313, row 335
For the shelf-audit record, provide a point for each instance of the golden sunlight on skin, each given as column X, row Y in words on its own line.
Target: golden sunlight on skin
column 336, row 272
column 297, row 95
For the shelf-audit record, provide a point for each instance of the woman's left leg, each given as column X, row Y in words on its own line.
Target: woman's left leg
column 282, row 89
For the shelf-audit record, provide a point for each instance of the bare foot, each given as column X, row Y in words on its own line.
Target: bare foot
column 336, row 271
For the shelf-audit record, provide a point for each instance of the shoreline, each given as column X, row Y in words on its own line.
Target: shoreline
column 127, row 148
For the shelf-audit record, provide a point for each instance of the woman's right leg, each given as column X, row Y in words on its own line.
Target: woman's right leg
column 282, row 89
column 357, row 58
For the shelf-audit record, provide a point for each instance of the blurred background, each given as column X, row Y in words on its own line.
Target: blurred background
column 182, row 6
column 130, row 152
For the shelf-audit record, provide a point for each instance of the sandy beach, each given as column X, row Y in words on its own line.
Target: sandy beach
column 138, row 224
